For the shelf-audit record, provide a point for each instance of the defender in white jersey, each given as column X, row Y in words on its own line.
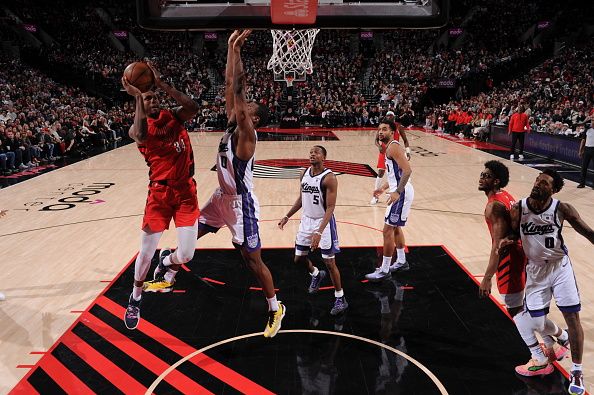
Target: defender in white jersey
column 317, row 197
column 538, row 221
column 234, row 203
column 401, row 194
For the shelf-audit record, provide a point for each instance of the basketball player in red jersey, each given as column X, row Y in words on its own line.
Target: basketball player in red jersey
column 164, row 142
column 509, row 265
column 381, row 144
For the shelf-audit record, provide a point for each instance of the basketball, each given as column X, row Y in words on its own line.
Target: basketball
column 139, row 75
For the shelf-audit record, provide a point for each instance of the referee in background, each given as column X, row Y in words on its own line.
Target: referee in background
column 586, row 152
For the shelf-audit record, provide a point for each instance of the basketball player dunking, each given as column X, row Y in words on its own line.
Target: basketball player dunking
column 401, row 195
column 165, row 145
column 381, row 144
column 508, row 265
column 234, row 203
column 537, row 221
column 317, row 196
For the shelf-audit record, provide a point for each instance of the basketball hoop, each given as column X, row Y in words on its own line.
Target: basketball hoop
column 291, row 52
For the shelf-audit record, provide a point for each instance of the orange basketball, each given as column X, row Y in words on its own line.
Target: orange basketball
column 140, row 75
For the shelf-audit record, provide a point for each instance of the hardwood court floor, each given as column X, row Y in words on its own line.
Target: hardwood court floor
column 57, row 255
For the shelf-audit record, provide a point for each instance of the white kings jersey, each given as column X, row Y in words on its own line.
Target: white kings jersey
column 541, row 233
column 313, row 195
column 393, row 171
column 236, row 176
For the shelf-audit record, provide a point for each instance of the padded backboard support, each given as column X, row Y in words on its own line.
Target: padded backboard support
column 255, row 14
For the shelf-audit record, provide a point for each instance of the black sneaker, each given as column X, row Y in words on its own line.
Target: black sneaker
column 340, row 305
column 316, row 281
column 132, row 316
column 161, row 269
column 399, row 267
column 581, row 186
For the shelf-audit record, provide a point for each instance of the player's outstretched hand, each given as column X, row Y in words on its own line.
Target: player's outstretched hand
column 156, row 76
column 233, row 37
column 130, row 89
column 283, row 222
column 241, row 39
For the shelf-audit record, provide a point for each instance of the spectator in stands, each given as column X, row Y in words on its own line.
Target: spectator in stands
column 518, row 127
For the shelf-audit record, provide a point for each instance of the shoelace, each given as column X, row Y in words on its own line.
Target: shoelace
column 132, row 312
column 271, row 318
column 576, row 378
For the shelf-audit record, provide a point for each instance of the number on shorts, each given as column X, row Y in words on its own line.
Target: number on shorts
column 224, row 162
column 549, row 242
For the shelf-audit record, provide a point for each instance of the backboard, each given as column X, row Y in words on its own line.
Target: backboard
column 256, row 14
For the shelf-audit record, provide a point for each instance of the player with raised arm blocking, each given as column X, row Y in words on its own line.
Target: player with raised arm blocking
column 234, row 203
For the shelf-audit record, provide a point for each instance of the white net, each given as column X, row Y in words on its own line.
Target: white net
column 291, row 51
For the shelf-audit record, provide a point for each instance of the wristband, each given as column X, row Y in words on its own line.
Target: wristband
column 318, row 233
column 407, row 150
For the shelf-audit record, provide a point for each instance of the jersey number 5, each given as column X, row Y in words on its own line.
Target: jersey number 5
column 316, row 199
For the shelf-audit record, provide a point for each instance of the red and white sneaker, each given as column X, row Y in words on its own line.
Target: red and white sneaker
column 535, row 368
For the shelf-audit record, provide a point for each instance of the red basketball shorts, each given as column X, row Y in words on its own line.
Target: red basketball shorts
column 170, row 201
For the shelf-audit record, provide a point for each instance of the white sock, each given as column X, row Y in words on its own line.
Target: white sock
column 272, row 303
column 137, row 293
column 564, row 336
column 385, row 268
column 538, row 354
column 576, row 366
column 400, row 255
column 378, row 182
column 339, row 294
column 315, row 272
column 548, row 341
column 170, row 275
column 167, row 261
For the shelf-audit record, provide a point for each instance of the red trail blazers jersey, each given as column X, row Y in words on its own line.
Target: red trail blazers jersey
column 511, row 274
column 167, row 149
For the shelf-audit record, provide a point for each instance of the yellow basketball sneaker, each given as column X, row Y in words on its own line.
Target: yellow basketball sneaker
column 274, row 320
column 158, row 285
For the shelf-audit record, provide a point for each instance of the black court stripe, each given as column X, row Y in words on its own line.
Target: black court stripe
column 129, row 365
column 44, row 384
column 84, row 371
column 205, row 379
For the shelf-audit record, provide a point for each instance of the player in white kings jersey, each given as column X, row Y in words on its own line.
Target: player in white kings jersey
column 317, row 197
column 401, row 194
column 234, row 203
column 538, row 221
